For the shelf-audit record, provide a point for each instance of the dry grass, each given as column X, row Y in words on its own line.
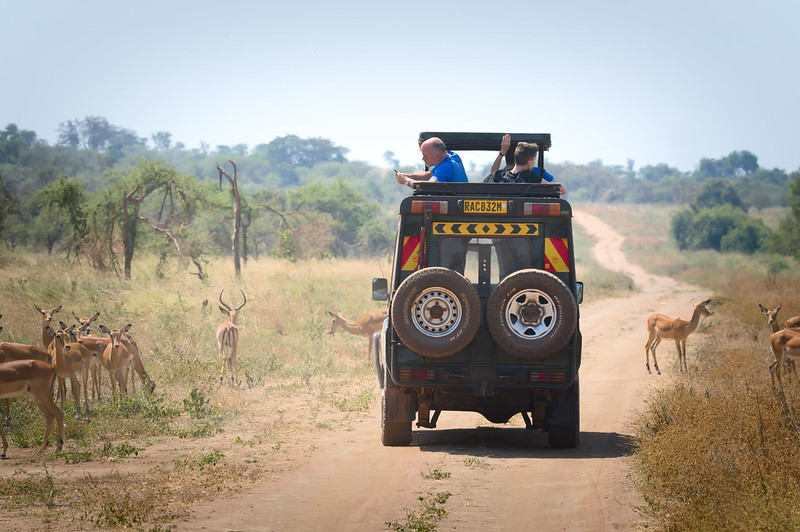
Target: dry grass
column 192, row 440
column 716, row 448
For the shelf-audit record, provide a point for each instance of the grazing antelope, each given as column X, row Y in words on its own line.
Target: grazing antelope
column 47, row 331
column 35, row 378
column 369, row 324
column 69, row 362
column 117, row 359
column 660, row 326
column 228, row 337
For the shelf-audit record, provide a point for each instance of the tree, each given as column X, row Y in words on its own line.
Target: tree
column 67, row 196
column 287, row 153
column 8, row 204
column 735, row 164
column 162, row 140
column 717, row 191
column 786, row 239
column 151, row 194
column 348, row 208
column 237, row 213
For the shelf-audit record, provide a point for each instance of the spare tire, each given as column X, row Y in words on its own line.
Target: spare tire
column 436, row 312
column 531, row 314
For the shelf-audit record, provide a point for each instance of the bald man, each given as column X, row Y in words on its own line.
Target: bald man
column 445, row 166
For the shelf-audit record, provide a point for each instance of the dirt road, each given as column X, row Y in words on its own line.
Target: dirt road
column 499, row 477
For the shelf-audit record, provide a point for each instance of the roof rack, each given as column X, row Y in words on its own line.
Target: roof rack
column 485, row 141
column 536, row 190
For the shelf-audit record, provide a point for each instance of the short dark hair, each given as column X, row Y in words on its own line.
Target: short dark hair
column 525, row 152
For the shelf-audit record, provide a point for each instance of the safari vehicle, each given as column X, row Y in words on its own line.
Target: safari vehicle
column 483, row 305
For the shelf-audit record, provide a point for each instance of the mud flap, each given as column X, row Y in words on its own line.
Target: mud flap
column 564, row 407
column 401, row 405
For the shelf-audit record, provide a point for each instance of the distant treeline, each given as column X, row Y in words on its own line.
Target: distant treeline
column 302, row 197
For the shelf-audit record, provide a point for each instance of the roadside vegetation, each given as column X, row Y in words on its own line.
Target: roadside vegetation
column 192, row 440
column 718, row 448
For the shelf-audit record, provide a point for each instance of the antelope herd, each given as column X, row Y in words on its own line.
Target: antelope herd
column 71, row 354
column 784, row 342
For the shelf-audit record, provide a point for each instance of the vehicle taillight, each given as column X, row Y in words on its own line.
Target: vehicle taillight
column 408, row 374
column 542, row 209
column 419, row 206
column 549, row 376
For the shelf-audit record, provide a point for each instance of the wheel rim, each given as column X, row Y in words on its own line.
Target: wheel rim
column 531, row 314
column 437, row 312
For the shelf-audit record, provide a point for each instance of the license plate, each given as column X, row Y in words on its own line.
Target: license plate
column 485, row 206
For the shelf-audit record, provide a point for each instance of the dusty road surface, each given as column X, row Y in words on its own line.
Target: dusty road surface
column 500, row 477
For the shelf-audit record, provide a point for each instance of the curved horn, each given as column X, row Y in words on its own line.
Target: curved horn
column 245, row 299
column 222, row 302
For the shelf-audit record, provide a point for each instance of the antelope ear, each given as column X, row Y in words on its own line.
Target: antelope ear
column 62, row 324
column 57, row 309
column 125, row 329
column 223, row 310
column 105, row 329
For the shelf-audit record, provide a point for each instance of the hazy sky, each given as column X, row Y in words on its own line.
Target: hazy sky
column 655, row 82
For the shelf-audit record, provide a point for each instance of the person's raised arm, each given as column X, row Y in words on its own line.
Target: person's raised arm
column 505, row 144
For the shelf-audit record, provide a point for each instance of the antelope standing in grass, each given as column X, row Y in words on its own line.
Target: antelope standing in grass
column 47, row 332
column 228, row 337
column 35, row 378
column 117, row 359
column 784, row 343
column 68, row 362
column 660, row 326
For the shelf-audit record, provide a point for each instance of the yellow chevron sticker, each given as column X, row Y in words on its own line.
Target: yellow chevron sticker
column 484, row 229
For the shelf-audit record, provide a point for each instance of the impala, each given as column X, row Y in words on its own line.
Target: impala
column 97, row 344
column 228, row 337
column 96, row 362
column 117, row 359
column 772, row 318
column 35, row 378
column 660, row 326
column 47, row 331
column 369, row 324
column 785, row 345
column 10, row 352
column 68, row 362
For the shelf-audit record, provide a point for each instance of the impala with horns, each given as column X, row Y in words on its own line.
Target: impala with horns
column 35, row 378
column 228, row 337
column 660, row 326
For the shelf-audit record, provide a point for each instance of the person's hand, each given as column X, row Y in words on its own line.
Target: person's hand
column 505, row 143
column 401, row 178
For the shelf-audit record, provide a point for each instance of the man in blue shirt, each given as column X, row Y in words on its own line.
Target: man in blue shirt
column 446, row 166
